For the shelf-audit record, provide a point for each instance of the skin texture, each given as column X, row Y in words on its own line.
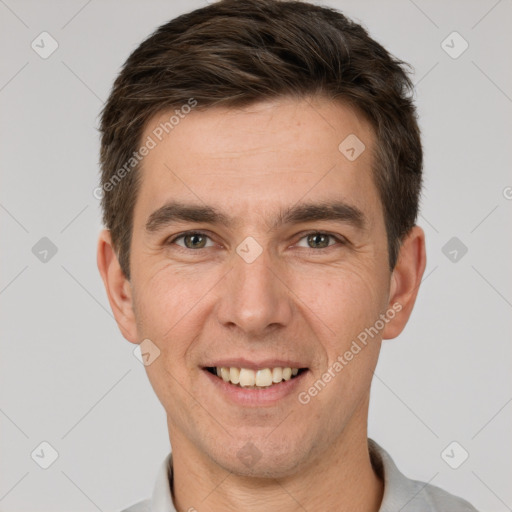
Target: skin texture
column 294, row 301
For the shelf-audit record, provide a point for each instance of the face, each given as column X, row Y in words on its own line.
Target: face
column 278, row 261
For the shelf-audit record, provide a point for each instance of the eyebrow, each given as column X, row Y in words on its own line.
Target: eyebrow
column 176, row 211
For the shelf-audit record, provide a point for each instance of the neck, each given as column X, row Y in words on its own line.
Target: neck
column 341, row 479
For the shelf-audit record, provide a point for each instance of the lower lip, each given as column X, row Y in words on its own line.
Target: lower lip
column 255, row 397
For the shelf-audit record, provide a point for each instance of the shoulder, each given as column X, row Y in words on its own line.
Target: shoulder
column 161, row 499
column 433, row 498
column 141, row 506
column 402, row 493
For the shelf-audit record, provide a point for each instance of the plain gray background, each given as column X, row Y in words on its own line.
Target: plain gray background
column 68, row 377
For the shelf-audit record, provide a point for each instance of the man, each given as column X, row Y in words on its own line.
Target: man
column 261, row 169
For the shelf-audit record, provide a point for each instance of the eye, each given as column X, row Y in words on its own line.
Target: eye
column 315, row 240
column 191, row 240
column 320, row 240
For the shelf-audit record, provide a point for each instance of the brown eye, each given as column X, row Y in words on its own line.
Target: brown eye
column 194, row 241
column 191, row 240
column 320, row 240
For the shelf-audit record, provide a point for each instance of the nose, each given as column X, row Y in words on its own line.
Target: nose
column 254, row 296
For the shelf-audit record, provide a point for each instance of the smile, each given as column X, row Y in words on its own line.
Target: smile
column 253, row 379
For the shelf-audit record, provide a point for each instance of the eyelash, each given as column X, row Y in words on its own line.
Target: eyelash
column 340, row 240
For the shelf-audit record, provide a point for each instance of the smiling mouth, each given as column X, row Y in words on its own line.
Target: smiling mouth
column 255, row 379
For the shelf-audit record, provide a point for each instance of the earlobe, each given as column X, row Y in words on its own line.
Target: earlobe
column 117, row 287
column 405, row 281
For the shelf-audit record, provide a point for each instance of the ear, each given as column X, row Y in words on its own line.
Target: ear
column 117, row 286
column 405, row 281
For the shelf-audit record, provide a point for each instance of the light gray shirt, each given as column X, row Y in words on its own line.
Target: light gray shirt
column 400, row 493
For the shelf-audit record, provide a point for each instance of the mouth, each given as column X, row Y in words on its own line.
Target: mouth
column 260, row 378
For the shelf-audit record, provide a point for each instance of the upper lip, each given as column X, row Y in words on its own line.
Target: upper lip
column 254, row 365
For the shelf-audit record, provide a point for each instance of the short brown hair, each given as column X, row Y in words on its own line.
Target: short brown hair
column 236, row 52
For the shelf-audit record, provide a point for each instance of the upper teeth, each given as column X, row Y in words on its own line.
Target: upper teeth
column 246, row 377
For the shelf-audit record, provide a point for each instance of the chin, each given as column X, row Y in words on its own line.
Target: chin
column 259, row 458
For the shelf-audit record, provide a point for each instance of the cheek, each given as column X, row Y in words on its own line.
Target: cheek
column 343, row 300
column 166, row 294
column 165, row 302
column 167, row 306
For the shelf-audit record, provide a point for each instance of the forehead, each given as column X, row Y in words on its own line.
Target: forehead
column 254, row 159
